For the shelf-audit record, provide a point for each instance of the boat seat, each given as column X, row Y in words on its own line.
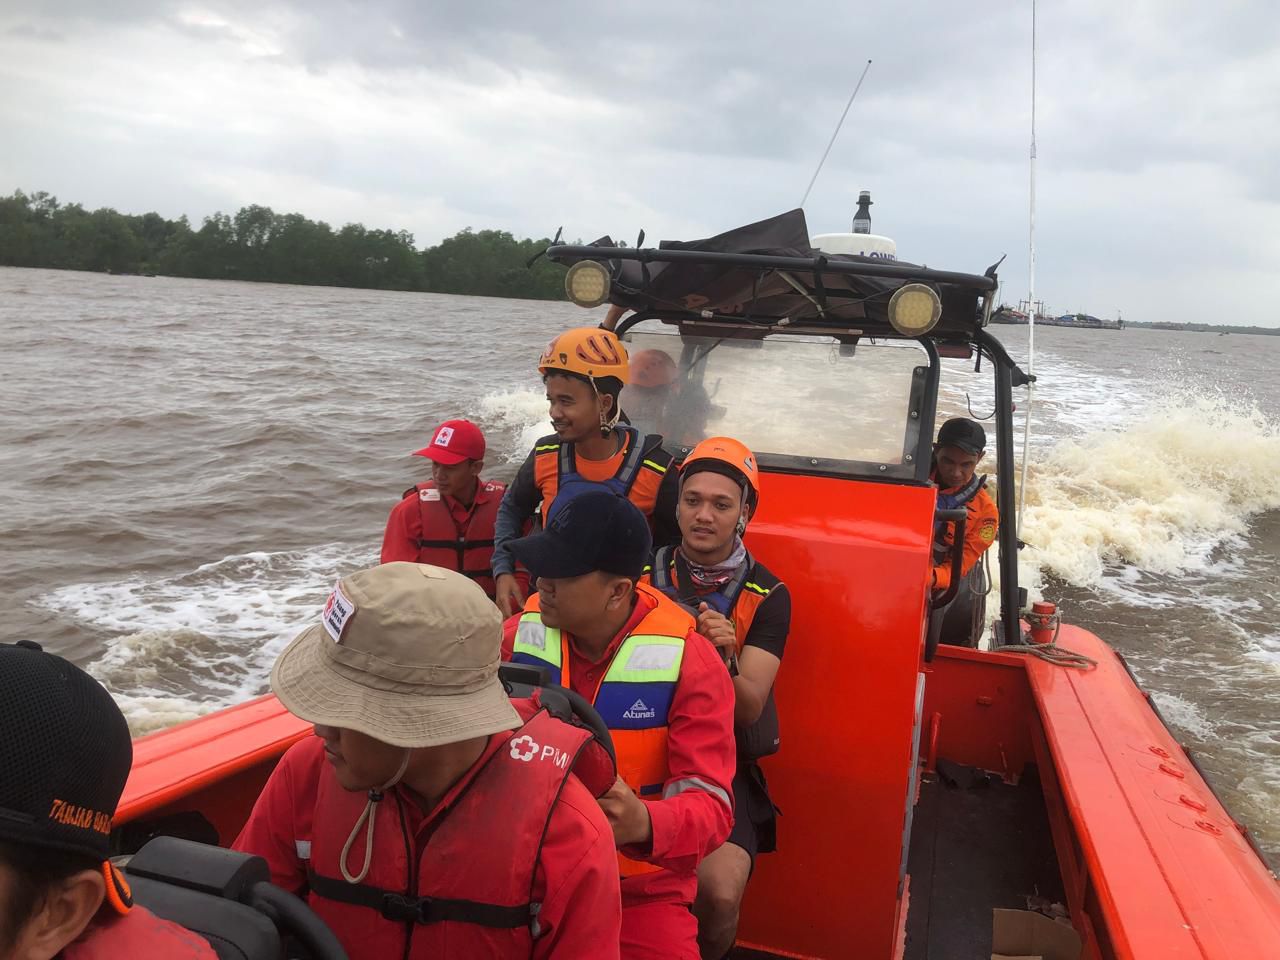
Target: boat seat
column 234, row 930
column 227, row 898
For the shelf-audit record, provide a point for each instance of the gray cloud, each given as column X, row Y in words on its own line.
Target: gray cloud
column 1157, row 126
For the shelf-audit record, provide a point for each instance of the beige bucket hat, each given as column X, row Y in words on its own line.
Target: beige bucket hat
column 405, row 653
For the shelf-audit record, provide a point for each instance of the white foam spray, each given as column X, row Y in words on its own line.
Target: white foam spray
column 205, row 639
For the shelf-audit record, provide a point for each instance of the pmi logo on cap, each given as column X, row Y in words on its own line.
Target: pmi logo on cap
column 337, row 611
column 444, row 436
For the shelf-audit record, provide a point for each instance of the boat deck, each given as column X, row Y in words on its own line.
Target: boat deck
column 975, row 847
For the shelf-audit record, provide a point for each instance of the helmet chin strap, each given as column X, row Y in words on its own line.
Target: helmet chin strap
column 606, row 426
column 368, row 815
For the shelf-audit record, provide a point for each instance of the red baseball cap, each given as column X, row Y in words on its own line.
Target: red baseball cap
column 454, row 441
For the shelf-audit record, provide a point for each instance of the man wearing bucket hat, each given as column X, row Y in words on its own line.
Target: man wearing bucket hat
column 661, row 689
column 449, row 520
column 960, row 448
column 428, row 817
column 64, row 759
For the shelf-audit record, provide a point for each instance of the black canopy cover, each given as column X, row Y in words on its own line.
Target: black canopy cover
column 767, row 271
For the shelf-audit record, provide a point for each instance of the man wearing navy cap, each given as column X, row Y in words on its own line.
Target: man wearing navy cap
column 64, row 759
column 960, row 448
column 447, row 521
column 663, row 692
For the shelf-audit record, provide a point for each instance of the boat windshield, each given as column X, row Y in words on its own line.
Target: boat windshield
column 800, row 402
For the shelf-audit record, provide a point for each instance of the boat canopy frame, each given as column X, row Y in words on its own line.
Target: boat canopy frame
column 765, row 279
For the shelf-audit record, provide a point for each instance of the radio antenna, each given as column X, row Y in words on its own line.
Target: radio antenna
column 835, row 133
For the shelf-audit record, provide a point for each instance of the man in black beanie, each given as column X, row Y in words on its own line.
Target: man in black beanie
column 65, row 754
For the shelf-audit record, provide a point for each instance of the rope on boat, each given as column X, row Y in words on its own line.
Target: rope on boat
column 1052, row 653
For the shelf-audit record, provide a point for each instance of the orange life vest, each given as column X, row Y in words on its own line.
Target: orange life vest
column 638, row 477
column 469, row 892
column 739, row 600
column 444, row 543
column 635, row 693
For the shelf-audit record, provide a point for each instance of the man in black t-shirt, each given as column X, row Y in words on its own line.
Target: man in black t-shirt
column 746, row 613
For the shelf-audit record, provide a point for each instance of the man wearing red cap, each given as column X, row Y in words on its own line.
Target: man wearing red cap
column 447, row 521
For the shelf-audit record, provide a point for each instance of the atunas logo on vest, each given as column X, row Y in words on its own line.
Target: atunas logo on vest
column 640, row 711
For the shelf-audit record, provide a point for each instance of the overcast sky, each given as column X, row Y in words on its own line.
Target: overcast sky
column 1158, row 126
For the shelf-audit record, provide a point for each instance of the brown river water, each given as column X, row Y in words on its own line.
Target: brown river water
column 186, row 465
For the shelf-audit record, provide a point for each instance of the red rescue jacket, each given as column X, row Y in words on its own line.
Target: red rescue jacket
column 470, row 892
column 140, row 933
column 446, row 543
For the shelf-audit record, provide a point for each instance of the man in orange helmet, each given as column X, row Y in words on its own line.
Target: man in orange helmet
column 658, row 399
column 960, row 448
column 584, row 371
column 745, row 611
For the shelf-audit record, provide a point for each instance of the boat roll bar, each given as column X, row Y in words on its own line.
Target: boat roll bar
column 1008, row 375
column 968, row 327
column 823, row 263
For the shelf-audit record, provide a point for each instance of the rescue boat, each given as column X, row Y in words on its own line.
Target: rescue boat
column 938, row 799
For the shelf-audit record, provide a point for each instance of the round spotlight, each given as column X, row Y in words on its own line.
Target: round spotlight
column 914, row 309
column 587, row 283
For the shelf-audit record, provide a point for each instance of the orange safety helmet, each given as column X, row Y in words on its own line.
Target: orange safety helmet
column 588, row 352
column 729, row 457
column 653, row 368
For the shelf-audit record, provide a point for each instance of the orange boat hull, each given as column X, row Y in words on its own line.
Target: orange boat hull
column 1151, row 863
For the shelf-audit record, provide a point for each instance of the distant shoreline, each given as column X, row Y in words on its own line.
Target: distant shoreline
column 257, row 244
column 1158, row 325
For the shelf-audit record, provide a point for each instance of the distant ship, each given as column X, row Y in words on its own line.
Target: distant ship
column 1010, row 315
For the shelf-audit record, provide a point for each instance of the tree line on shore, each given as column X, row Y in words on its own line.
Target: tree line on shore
column 256, row 243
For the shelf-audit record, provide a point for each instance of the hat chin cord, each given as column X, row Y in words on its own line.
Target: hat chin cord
column 368, row 815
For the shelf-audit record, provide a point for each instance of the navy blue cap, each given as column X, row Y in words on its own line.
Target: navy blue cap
column 963, row 433
column 595, row 531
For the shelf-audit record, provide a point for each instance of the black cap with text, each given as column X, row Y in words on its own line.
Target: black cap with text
column 65, row 753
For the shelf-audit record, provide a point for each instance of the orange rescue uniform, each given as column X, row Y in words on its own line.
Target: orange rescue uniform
column 979, row 534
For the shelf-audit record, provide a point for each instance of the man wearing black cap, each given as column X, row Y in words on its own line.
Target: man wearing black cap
column 960, row 447
column 64, row 758
column 662, row 690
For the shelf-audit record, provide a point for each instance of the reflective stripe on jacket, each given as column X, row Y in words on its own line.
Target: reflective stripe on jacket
column 739, row 599
column 644, row 463
column 634, row 695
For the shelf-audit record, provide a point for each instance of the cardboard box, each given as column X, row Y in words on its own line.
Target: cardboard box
column 1027, row 935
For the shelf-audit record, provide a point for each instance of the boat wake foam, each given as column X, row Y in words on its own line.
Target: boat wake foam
column 519, row 412
column 205, row 639
column 1163, row 495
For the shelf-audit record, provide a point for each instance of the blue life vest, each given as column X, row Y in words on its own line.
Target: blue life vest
column 954, row 501
column 571, row 483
